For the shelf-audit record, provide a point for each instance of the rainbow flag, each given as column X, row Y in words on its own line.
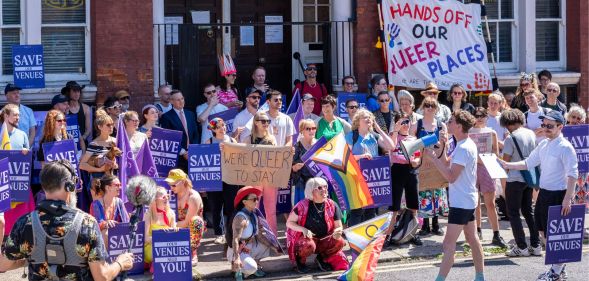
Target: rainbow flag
column 5, row 142
column 364, row 266
column 341, row 168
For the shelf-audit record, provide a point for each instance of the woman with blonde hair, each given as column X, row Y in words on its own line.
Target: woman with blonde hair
column 159, row 216
column 261, row 130
column 136, row 138
column 527, row 81
column 300, row 174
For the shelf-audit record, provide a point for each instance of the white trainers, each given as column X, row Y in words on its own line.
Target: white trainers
column 220, row 240
column 535, row 251
column 517, row 252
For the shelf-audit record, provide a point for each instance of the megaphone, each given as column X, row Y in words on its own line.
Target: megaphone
column 408, row 147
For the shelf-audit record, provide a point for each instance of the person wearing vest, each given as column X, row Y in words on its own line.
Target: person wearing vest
column 249, row 240
column 57, row 227
column 314, row 226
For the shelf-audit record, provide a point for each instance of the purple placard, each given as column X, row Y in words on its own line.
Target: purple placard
column 58, row 150
column 19, row 167
column 342, row 97
column 578, row 135
column 4, row 186
column 283, row 202
column 228, row 117
column 564, row 235
column 73, row 129
column 119, row 238
column 40, row 117
column 165, row 146
column 172, row 256
column 377, row 173
column 204, row 167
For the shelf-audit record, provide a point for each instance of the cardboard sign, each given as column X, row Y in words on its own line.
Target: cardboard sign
column 430, row 177
column 343, row 97
column 578, row 136
column 257, row 165
column 119, row 238
column 484, row 142
column 204, row 167
column 165, row 146
column 4, row 186
column 377, row 173
column 439, row 41
column 172, row 256
column 564, row 235
column 29, row 70
column 19, row 167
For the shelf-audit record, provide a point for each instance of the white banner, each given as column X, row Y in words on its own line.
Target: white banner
column 439, row 41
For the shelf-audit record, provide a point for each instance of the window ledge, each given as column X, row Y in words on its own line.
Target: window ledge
column 561, row 78
column 43, row 96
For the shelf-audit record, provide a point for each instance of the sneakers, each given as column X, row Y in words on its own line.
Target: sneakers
column 438, row 231
column 517, row 252
column 498, row 241
column 535, row 251
column 424, row 231
column 220, row 240
column 323, row 266
column 259, row 273
column 550, row 275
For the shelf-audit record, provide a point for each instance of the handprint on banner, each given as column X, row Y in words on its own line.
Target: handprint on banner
column 393, row 33
column 481, row 82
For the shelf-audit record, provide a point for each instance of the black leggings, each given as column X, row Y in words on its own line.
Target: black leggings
column 518, row 196
column 404, row 179
column 222, row 200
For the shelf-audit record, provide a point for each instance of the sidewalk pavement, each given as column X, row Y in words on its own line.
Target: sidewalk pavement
column 212, row 265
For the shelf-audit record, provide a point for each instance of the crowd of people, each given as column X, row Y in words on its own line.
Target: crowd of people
column 525, row 133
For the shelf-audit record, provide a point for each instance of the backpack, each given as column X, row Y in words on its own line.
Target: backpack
column 544, row 110
column 356, row 135
column 405, row 227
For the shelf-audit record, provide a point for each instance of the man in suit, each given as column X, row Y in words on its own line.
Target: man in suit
column 182, row 120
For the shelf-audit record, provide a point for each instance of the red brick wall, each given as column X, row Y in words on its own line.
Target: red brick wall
column 577, row 32
column 367, row 59
column 122, row 49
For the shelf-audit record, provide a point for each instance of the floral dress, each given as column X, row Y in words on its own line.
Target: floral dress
column 19, row 244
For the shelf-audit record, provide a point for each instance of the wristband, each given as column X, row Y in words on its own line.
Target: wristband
column 120, row 266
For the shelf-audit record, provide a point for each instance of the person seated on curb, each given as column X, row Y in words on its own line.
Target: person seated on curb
column 316, row 230
column 248, row 244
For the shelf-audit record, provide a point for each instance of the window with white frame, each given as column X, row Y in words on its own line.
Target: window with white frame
column 501, row 18
column 313, row 11
column 62, row 27
column 550, row 33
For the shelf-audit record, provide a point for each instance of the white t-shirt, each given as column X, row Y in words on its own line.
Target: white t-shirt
column 281, row 127
column 206, row 134
column 463, row 191
column 493, row 123
column 241, row 120
column 533, row 120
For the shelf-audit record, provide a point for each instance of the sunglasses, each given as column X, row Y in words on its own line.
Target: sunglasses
column 479, row 116
column 322, row 187
column 348, row 83
column 456, row 93
column 548, row 126
column 352, row 107
column 124, row 98
column 524, row 85
column 264, row 121
column 59, row 120
column 210, row 92
column 253, row 199
column 114, row 107
column 311, row 129
column 552, row 90
column 277, row 100
column 405, row 122
column 255, row 97
column 383, row 101
column 311, row 68
column 429, row 106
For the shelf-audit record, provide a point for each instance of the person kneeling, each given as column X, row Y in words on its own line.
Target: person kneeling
column 314, row 226
column 248, row 243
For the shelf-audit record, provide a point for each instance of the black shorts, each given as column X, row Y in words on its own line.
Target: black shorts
column 460, row 216
column 405, row 179
column 546, row 198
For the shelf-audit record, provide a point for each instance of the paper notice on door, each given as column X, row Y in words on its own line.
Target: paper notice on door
column 200, row 17
column 246, row 35
column 274, row 33
column 493, row 167
column 171, row 24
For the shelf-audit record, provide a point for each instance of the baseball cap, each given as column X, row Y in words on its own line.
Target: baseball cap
column 11, row 87
column 121, row 94
column 59, row 99
column 255, row 91
column 554, row 115
column 308, row 97
column 175, row 175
